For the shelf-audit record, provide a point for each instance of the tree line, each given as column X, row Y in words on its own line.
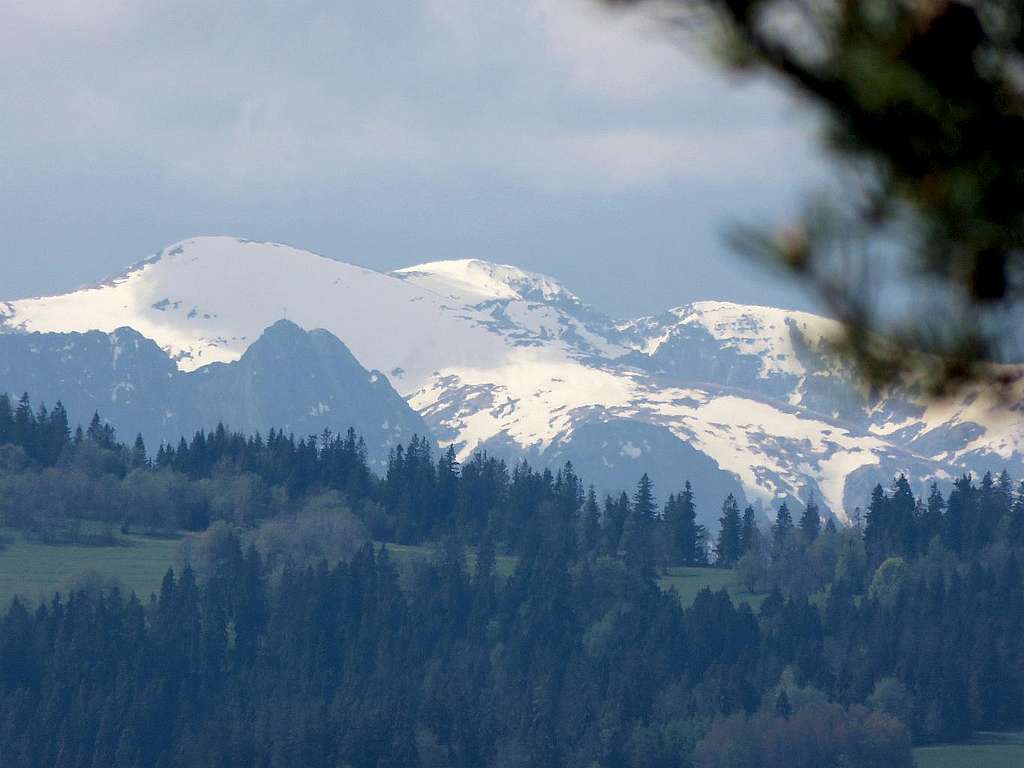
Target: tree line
column 51, row 478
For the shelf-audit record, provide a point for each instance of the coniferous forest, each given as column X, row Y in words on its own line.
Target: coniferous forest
column 904, row 628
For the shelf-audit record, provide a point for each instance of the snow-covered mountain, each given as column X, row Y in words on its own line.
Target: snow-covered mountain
column 736, row 398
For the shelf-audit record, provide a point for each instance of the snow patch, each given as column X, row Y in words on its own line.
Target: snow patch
column 628, row 449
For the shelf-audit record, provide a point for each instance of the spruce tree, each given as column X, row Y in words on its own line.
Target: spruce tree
column 637, row 533
column 686, row 533
column 139, row 459
column 902, row 505
column 810, row 520
column 994, row 501
column 782, row 528
column 728, row 548
column 690, row 534
column 24, row 425
column 877, row 528
column 58, row 434
column 95, row 430
column 617, row 512
column 931, row 522
column 569, row 492
column 447, row 484
column 750, row 532
column 958, row 515
column 591, row 521
column 643, row 499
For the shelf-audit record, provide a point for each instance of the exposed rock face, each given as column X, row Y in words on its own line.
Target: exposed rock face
column 290, row 379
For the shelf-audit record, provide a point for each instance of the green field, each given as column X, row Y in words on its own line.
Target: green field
column 38, row 570
column 686, row 581
column 987, row 750
column 689, row 581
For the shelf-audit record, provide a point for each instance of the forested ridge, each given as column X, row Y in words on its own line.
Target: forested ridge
column 905, row 628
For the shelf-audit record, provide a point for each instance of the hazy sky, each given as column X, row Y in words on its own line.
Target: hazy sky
column 543, row 133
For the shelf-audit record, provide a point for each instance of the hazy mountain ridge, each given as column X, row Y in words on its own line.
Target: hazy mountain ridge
column 493, row 356
column 290, row 379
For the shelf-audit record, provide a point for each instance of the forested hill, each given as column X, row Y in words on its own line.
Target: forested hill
column 568, row 663
column 245, row 479
column 904, row 629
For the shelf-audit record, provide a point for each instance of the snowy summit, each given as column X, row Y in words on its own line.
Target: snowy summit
column 498, row 358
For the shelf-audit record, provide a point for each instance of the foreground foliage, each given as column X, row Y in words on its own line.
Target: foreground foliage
column 923, row 106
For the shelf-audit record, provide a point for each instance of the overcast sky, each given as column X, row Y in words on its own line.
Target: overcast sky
column 543, row 133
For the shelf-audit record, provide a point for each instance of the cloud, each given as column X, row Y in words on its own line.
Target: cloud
column 554, row 94
column 547, row 133
column 615, row 54
column 640, row 158
column 65, row 16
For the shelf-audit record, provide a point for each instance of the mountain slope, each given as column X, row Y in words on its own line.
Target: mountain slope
column 741, row 399
column 288, row 379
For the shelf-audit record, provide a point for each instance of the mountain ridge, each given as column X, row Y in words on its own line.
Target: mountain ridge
column 498, row 358
column 138, row 388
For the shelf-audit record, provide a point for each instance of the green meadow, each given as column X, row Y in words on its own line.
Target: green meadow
column 689, row 581
column 986, row 750
column 36, row 571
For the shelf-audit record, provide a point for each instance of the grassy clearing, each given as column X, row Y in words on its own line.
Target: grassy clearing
column 987, row 750
column 689, row 581
column 36, row 571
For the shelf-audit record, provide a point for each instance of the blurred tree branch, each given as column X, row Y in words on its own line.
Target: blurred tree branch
column 924, row 99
